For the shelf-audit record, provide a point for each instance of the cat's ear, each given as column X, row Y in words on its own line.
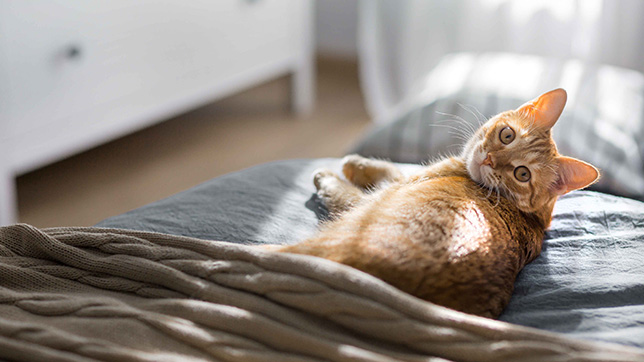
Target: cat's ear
column 546, row 109
column 573, row 174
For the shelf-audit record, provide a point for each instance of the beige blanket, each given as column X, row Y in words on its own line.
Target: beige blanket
column 80, row 294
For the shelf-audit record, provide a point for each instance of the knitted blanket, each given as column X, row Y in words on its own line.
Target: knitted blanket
column 82, row 294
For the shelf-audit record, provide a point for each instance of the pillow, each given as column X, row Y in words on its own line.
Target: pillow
column 603, row 122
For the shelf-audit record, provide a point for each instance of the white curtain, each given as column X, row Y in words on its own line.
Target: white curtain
column 401, row 40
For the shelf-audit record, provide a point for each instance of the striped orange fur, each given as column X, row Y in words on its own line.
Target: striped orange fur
column 458, row 232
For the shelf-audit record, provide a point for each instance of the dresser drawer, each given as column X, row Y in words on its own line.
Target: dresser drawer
column 79, row 66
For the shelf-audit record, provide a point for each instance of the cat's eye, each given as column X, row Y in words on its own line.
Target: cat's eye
column 522, row 174
column 507, row 135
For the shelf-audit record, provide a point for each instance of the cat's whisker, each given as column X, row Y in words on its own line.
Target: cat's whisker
column 457, row 132
column 465, row 122
column 469, row 128
column 468, row 125
column 459, row 137
column 498, row 196
column 447, row 126
column 471, row 109
column 463, row 129
column 493, row 184
column 490, row 183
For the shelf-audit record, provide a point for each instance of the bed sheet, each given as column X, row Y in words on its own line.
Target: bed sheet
column 588, row 281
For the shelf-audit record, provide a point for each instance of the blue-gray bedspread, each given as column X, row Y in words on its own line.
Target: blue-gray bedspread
column 588, row 281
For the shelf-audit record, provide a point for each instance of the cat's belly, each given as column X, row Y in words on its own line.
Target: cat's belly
column 439, row 244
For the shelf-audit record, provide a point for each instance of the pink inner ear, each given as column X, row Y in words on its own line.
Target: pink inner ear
column 546, row 109
column 574, row 174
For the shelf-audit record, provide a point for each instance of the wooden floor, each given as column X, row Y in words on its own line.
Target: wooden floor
column 238, row 132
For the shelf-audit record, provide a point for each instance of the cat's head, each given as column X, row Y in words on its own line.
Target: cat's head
column 514, row 153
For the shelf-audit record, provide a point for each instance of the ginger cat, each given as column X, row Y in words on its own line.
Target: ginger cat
column 442, row 234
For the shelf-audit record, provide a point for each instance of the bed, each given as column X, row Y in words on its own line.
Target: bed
column 181, row 278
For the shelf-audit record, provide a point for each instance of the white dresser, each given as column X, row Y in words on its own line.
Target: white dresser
column 74, row 74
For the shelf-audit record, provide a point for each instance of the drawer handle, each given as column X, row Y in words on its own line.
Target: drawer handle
column 73, row 52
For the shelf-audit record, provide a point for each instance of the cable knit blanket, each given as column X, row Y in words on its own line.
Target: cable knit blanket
column 81, row 294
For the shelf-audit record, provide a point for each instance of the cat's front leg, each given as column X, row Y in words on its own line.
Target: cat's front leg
column 338, row 195
column 369, row 173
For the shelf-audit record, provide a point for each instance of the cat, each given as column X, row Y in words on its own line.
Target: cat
column 458, row 232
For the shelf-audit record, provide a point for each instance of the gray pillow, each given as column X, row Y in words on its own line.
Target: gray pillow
column 603, row 122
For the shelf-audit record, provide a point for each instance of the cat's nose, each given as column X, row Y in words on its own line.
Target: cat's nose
column 489, row 160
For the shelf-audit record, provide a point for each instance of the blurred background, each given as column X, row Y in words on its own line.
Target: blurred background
column 108, row 106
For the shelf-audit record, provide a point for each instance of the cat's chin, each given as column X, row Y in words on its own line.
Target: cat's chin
column 474, row 166
column 475, row 172
column 473, row 155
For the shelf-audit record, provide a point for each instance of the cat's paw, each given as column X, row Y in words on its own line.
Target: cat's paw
column 353, row 167
column 368, row 173
column 320, row 175
column 363, row 172
column 336, row 194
